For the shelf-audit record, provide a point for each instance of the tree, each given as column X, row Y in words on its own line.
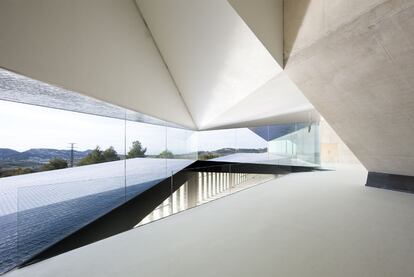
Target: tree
column 16, row 171
column 208, row 156
column 98, row 156
column 166, row 154
column 136, row 150
column 110, row 155
column 53, row 164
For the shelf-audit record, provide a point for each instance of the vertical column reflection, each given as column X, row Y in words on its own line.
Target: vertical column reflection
column 193, row 194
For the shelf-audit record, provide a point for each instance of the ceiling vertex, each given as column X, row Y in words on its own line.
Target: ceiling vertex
column 224, row 73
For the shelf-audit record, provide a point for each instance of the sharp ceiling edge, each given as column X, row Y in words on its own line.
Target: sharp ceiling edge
column 206, row 126
column 283, row 36
column 166, row 66
column 259, row 37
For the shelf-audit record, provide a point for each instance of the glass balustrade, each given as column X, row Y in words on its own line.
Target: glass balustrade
column 67, row 159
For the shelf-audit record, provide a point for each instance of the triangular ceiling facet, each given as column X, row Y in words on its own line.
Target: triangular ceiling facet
column 225, row 74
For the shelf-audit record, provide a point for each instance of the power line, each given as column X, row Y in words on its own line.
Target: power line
column 72, row 147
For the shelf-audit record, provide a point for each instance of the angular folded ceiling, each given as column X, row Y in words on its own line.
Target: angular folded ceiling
column 200, row 64
column 225, row 74
column 264, row 18
column 100, row 48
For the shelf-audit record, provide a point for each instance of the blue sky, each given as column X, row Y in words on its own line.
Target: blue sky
column 26, row 126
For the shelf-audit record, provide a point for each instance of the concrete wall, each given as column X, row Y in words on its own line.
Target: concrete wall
column 333, row 150
column 360, row 78
column 306, row 21
column 100, row 48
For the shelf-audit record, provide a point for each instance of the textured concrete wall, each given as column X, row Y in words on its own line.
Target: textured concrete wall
column 360, row 78
column 306, row 21
column 333, row 150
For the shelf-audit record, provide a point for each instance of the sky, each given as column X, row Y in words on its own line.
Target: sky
column 23, row 127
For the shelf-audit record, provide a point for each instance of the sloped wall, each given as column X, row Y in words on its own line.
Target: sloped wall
column 359, row 76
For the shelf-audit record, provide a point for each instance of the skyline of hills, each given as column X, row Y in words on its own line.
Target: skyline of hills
column 39, row 154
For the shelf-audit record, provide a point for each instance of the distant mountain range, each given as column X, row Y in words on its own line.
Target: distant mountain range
column 43, row 155
column 228, row 151
column 39, row 154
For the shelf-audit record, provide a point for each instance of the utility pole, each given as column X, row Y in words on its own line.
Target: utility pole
column 72, row 147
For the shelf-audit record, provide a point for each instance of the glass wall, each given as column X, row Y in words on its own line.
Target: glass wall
column 144, row 164
column 181, row 149
column 216, row 144
column 252, row 144
column 181, row 144
column 297, row 147
column 62, row 168
column 282, row 144
column 153, row 152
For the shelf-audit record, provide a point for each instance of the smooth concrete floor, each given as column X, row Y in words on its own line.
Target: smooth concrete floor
column 303, row 224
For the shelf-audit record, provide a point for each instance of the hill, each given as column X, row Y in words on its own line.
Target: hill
column 39, row 155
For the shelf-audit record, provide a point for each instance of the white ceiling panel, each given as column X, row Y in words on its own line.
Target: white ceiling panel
column 100, row 48
column 277, row 98
column 195, row 63
column 214, row 57
column 265, row 19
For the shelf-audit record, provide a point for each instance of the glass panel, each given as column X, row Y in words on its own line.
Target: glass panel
column 146, row 163
column 233, row 145
column 66, row 169
column 252, row 145
column 8, row 227
column 49, row 213
column 60, row 170
column 215, row 145
column 181, row 144
column 181, row 149
column 295, row 144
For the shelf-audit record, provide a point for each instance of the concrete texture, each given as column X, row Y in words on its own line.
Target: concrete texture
column 359, row 76
column 333, row 149
column 304, row 224
column 307, row 21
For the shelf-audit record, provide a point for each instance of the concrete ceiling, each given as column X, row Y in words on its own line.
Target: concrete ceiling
column 99, row 48
column 200, row 64
column 264, row 18
column 225, row 74
column 277, row 101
